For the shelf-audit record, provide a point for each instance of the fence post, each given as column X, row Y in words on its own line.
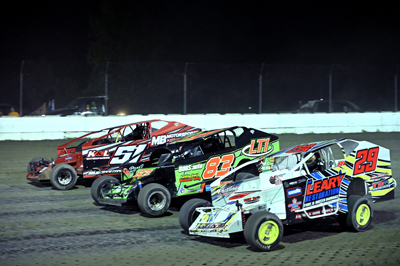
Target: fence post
column 395, row 88
column 21, row 81
column 185, row 88
column 260, row 90
column 330, row 89
column 106, row 88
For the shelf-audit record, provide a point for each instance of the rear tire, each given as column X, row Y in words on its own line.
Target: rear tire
column 154, row 199
column 360, row 213
column 104, row 183
column 63, row 176
column 263, row 231
column 188, row 213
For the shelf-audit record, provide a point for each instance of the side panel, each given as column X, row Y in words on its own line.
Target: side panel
column 318, row 194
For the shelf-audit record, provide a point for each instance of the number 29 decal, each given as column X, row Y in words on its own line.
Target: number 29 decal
column 366, row 161
column 213, row 164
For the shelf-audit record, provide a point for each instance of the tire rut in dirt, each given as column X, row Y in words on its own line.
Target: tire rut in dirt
column 89, row 239
column 40, row 199
column 41, row 213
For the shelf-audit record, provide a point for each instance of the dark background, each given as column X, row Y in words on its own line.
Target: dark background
column 62, row 48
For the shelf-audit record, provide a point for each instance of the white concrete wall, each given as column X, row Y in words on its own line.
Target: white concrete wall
column 55, row 127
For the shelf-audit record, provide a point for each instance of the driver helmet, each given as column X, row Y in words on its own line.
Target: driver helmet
column 312, row 161
column 208, row 145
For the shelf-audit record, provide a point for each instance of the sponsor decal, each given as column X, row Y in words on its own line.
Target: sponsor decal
column 239, row 196
column 68, row 158
column 226, row 190
column 251, row 200
column 210, row 226
column 258, row 147
column 378, row 176
column 102, row 172
column 323, row 190
column 293, row 192
column 315, row 213
column 295, row 205
column 188, row 178
column 98, row 155
column 162, row 139
column 230, row 188
column 300, row 216
column 381, row 185
column 181, row 190
column 194, row 190
column 341, row 163
column 185, row 168
column 134, row 168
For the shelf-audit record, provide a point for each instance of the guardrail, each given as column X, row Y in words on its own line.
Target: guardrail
column 56, row 127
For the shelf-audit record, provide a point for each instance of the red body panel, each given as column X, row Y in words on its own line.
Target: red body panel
column 108, row 148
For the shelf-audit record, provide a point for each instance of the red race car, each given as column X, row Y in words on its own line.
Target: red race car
column 102, row 152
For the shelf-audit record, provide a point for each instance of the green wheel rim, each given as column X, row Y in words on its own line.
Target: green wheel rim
column 363, row 214
column 268, row 232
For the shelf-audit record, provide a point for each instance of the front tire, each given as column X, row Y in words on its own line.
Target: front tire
column 63, row 176
column 154, row 199
column 263, row 231
column 188, row 213
column 102, row 183
column 360, row 213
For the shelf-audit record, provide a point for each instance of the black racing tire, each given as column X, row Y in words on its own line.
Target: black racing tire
column 154, row 199
column 360, row 213
column 188, row 213
column 104, row 182
column 35, row 160
column 263, row 231
column 63, row 176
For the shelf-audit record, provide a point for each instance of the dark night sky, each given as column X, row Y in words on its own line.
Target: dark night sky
column 212, row 31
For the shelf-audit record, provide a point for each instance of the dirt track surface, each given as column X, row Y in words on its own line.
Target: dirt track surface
column 43, row 226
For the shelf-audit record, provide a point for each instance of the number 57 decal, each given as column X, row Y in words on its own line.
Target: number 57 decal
column 124, row 153
column 366, row 161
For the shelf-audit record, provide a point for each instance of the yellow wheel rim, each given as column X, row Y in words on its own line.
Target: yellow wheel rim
column 363, row 214
column 268, row 232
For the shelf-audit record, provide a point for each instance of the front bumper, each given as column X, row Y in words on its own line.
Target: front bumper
column 44, row 174
column 216, row 222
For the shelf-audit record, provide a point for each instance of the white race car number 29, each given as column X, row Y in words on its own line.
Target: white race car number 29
column 124, row 153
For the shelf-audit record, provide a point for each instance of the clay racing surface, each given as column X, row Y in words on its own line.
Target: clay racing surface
column 43, row 226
